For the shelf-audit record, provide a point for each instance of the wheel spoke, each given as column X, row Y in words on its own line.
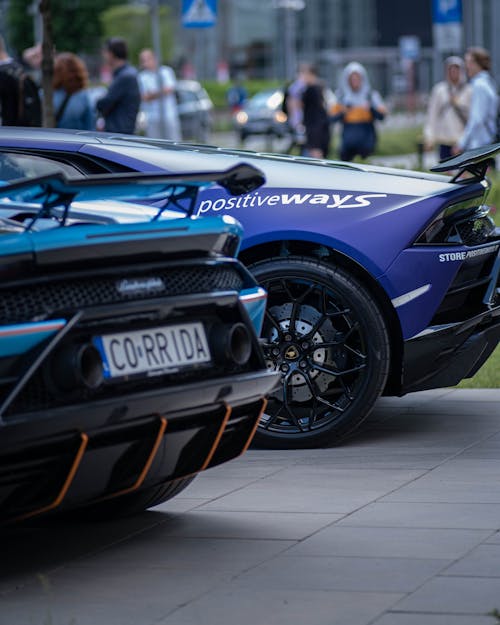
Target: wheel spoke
column 274, row 323
column 329, row 371
column 353, row 328
column 347, row 390
column 288, row 402
column 293, row 317
column 354, row 351
column 317, row 396
column 273, row 418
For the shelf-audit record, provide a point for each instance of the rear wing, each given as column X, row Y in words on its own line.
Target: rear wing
column 475, row 162
column 56, row 191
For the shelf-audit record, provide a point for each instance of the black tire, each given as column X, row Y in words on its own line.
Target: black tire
column 135, row 502
column 325, row 332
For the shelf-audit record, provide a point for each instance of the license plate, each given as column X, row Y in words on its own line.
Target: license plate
column 154, row 350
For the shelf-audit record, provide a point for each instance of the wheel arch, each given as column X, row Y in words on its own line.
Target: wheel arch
column 330, row 256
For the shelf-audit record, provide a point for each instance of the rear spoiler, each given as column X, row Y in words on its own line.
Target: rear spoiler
column 57, row 191
column 474, row 161
column 237, row 180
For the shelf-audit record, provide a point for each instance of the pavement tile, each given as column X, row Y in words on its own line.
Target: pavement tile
column 305, row 488
column 307, row 475
column 159, row 550
column 267, row 497
column 483, row 561
column 444, row 515
column 341, row 573
column 399, row 618
column 394, row 542
column 41, row 546
column 432, row 489
column 494, row 538
column 418, row 458
column 250, row 525
column 252, row 607
column 454, row 595
column 128, row 595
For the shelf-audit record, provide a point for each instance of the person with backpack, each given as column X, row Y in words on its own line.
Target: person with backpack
column 357, row 109
column 20, row 103
column 481, row 127
column 448, row 108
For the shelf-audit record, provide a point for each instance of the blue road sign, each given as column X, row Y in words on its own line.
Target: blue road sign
column 446, row 11
column 199, row 13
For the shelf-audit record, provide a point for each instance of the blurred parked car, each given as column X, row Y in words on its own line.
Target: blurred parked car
column 195, row 111
column 129, row 360
column 263, row 114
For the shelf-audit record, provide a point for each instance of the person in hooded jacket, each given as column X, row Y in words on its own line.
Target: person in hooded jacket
column 357, row 109
column 448, row 109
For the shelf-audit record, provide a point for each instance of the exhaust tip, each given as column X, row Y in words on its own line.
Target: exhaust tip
column 232, row 342
column 78, row 365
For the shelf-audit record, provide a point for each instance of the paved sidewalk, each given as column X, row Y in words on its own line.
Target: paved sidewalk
column 398, row 527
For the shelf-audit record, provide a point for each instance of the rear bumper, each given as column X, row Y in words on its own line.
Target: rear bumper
column 83, row 454
column 445, row 355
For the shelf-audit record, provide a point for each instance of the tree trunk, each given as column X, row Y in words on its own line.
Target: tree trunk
column 47, row 64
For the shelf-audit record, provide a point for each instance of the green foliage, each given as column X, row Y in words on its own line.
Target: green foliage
column 74, row 23
column 493, row 198
column 399, row 141
column 488, row 376
column 133, row 23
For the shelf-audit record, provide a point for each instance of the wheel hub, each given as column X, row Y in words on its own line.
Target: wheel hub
column 293, row 351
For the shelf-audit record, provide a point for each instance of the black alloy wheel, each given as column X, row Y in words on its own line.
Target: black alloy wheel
column 324, row 331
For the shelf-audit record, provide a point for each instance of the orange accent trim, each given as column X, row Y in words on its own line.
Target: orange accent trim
column 65, row 486
column 357, row 115
column 32, row 330
column 254, row 429
column 217, row 438
column 145, row 469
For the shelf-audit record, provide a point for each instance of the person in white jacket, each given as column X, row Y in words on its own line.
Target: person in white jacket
column 481, row 127
column 448, row 110
column 158, row 86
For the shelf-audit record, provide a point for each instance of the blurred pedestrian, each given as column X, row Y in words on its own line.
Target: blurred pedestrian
column 72, row 105
column 158, row 85
column 292, row 107
column 358, row 107
column 481, row 127
column 120, row 105
column 236, row 95
column 20, row 103
column 314, row 114
column 448, row 109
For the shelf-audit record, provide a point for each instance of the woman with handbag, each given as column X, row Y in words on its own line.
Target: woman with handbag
column 72, row 106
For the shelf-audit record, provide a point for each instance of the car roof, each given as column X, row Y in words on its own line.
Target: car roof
column 71, row 140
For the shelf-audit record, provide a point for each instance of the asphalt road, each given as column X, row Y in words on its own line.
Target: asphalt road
column 400, row 526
